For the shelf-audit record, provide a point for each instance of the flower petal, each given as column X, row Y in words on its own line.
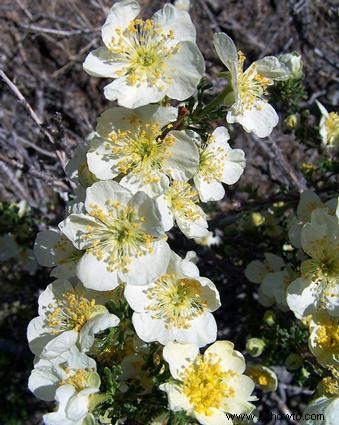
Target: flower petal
column 131, row 96
column 165, row 213
column 301, row 297
column 147, row 268
column 270, row 67
column 185, row 70
column 230, row 359
column 234, row 166
column 101, row 161
column 126, row 119
column 94, row 274
column 102, row 63
column 183, row 159
column 208, row 191
column 100, row 193
column 176, row 400
column 228, row 54
column 179, row 356
column 120, row 15
column 135, row 182
column 260, row 120
column 171, row 19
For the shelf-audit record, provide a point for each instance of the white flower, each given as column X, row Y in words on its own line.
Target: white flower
column 179, row 203
column 318, row 287
column 175, row 307
column 309, row 201
column 148, row 59
column 257, row 270
column 72, row 409
column 53, row 249
column 68, row 313
column 71, row 381
column 248, row 106
column 219, row 163
column 131, row 147
column 122, row 236
column 208, row 385
column 71, row 368
column 329, row 126
column 322, row 411
column 324, row 339
column 273, row 289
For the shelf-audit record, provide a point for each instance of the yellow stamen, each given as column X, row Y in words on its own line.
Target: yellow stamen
column 206, row 384
column 71, row 312
column 141, row 151
column 252, row 86
column 176, row 301
column 117, row 236
column 143, row 46
column 78, row 379
column 212, row 160
column 182, row 200
column 327, row 337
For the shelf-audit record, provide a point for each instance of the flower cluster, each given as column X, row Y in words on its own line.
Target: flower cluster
column 309, row 287
column 126, row 315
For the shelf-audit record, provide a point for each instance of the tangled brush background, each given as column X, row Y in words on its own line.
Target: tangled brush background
column 43, row 46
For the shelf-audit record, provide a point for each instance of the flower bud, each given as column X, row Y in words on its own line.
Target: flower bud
column 263, row 376
column 292, row 121
column 255, row 346
column 86, row 178
column 293, row 361
column 270, row 317
column 294, row 64
column 257, row 219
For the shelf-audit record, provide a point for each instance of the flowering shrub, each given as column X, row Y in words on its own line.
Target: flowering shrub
column 126, row 330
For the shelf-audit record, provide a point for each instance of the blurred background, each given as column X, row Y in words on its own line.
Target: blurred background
column 42, row 47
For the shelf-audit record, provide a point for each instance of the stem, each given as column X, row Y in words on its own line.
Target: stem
column 214, row 103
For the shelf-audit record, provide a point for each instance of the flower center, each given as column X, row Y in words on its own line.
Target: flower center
column 328, row 337
column 331, row 386
column 143, row 46
column 332, row 127
column 141, row 151
column 182, row 200
column 252, row 86
column 118, row 235
column 205, row 384
column 176, row 301
column 78, row 379
column 212, row 159
column 71, row 313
